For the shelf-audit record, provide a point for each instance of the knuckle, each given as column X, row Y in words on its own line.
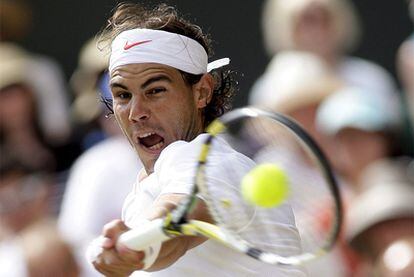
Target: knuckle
column 112, row 227
column 98, row 266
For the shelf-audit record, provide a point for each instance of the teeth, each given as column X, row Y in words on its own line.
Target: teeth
column 146, row 135
column 157, row 146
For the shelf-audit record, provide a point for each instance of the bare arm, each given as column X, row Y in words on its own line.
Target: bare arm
column 173, row 249
column 117, row 260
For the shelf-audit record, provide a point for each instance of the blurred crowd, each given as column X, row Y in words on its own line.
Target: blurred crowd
column 65, row 167
column 362, row 121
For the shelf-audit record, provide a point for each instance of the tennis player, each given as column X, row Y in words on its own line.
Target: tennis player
column 164, row 94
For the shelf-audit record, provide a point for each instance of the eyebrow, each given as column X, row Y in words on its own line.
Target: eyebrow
column 156, row 79
column 118, row 85
column 145, row 84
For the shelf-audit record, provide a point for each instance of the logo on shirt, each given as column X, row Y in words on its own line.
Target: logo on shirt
column 129, row 46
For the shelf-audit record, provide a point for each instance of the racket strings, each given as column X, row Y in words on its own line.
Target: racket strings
column 258, row 227
column 311, row 198
column 309, row 202
column 228, row 205
column 310, row 211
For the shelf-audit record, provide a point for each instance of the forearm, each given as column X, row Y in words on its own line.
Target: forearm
column 173, row 249
column 115, row 259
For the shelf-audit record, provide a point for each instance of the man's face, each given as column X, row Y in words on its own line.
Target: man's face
column 154, row 107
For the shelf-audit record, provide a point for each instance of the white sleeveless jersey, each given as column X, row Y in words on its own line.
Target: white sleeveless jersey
column 174, row 173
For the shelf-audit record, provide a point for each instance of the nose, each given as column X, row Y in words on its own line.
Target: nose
column 138, row 111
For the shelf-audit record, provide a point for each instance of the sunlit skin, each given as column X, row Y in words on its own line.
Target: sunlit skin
column 154, row 99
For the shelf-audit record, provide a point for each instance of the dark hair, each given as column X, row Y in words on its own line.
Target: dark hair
column 130, row 16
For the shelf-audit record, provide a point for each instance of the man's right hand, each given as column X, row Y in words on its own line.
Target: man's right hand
column 116, row 259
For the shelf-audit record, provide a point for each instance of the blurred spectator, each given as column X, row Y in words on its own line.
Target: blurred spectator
column 324, row 27
column 103, row 175
column 89, row 83
column 363, row 128
column 383, row 212
column 328, row 29
column 23, row 196
column 38, row 251
column 29, row 241
column 43, row 76
column 21, row 132
column 405, row 70
column 288, row 75
column 46, row 253
column 295, row 83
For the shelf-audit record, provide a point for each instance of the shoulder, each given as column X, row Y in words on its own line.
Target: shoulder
column 179, row 157
column 183, row 152
column 179, row 160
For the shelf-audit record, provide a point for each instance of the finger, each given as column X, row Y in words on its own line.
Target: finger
column 112, row 272
column 108, row 261
column 113, row 228
column 111, row 262
column 129, row 255
column 94, row 249
column 111, row 231
column 101, row 269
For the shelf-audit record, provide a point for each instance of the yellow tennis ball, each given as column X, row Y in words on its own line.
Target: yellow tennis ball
column 266, row 185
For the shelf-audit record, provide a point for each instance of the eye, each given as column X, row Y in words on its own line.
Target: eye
column 156, row 90
column 123, row 95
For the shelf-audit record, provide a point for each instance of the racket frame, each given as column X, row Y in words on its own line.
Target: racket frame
column 218, row 126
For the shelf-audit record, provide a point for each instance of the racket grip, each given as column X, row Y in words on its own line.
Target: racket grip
column 141, row 238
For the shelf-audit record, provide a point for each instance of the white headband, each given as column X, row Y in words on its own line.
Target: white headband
column 155, row 46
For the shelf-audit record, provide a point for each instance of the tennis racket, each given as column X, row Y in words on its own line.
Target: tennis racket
column 311, row 211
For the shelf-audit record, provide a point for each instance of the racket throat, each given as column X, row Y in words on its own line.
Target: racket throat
column 254, row 253
column 172, row 226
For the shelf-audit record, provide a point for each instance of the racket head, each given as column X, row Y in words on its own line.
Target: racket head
column 313, row 201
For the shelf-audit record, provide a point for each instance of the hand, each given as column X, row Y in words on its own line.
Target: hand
column 116, row 259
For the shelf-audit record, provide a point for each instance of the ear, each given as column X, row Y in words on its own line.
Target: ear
column 203, row 90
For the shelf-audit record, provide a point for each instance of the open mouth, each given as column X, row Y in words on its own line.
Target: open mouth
column 151, row 141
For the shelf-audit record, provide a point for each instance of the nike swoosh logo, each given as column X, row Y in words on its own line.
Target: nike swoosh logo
column 128, row 46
